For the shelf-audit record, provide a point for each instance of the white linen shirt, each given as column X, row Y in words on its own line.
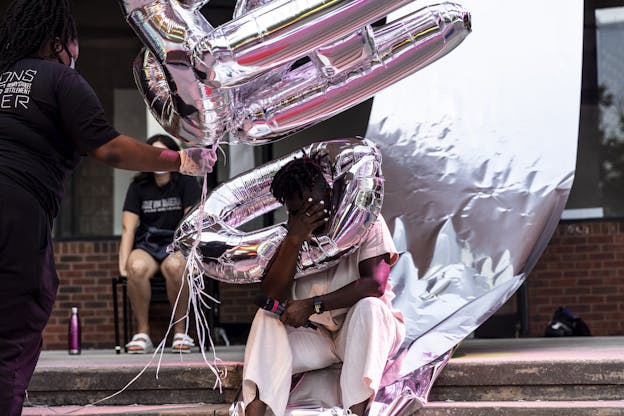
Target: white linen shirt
column 377, row 242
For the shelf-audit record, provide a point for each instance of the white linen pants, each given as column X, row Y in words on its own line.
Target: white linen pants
column 274, row 352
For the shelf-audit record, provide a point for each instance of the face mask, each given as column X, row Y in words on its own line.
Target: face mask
column 72, row 61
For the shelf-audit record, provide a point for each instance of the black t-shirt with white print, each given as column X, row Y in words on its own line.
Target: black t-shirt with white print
column 161, row 207
column 49, row 118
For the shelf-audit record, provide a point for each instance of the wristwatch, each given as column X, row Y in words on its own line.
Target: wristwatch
column 318, row 305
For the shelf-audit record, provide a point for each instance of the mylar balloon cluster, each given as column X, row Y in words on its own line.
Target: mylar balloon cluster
column 278, row 67
column 202, row 82
column 352, row 168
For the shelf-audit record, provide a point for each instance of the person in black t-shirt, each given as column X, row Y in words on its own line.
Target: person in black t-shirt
column 155, row 204
column 49, row 119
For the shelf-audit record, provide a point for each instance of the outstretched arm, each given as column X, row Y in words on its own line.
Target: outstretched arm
column 124, row 152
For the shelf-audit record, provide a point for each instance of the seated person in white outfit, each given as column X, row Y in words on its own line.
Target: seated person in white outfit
column 350, row 304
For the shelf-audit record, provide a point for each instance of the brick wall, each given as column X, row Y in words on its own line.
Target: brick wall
column 582, row 268
column 85, row 270
column 237, row 302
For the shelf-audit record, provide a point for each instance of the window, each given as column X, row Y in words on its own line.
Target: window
column 599, row 182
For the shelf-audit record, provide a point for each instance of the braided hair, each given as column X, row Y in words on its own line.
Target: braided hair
column 27, row 24
column 295, row 176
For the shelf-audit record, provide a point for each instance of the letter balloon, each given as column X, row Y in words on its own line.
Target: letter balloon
column 202, row 83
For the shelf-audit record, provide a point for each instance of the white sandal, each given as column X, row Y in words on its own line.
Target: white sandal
column 143, row 343
column 182, row 343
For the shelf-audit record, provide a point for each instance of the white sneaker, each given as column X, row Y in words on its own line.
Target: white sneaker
column 237, row 409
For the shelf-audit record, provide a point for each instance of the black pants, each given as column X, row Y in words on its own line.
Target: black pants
column 28, row 285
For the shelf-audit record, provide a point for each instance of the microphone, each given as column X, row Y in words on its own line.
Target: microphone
column 272, row 305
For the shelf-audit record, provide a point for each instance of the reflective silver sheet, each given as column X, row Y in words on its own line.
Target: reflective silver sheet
column 479, row 155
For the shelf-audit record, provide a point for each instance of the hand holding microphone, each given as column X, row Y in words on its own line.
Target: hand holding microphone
column 272, row 305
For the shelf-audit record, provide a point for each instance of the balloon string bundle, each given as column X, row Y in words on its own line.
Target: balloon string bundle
column 197, row 302
column 198, row 297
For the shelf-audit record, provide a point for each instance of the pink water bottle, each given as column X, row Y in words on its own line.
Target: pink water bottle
column 73, row 333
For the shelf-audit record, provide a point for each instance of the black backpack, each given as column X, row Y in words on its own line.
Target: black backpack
column 566, row 324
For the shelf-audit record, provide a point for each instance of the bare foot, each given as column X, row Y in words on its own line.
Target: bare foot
column 359, row 409
column 255, row 408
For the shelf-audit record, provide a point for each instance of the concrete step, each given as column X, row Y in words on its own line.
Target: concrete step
column 578, row 408
column 61, row 379
column 530, row 369
column 511, row 371
column 136, row 410
column 524, row 408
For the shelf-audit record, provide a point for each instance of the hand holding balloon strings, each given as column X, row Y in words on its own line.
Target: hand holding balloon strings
column 197, row 161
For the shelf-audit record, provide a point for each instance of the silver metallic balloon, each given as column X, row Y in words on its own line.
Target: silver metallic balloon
column 352, row 169
column 236, row 78
column 350, row 71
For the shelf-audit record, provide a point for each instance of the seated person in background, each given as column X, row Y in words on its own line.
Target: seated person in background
column 350, row 303
column 155, row 203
